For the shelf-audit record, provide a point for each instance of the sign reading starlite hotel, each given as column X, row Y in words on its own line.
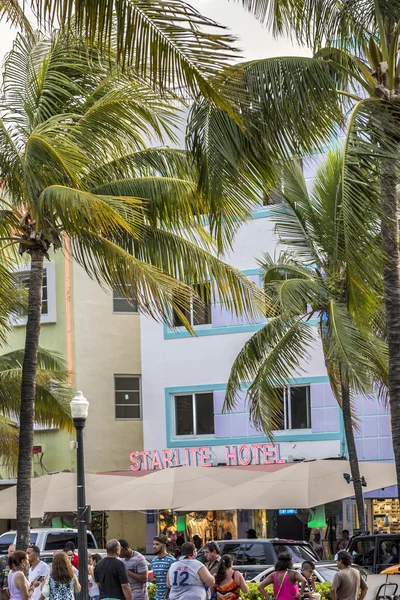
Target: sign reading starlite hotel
column 256, row 454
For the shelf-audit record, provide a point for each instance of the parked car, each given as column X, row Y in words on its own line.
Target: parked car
column 324, row 571
column 48, row 539
column 375, row 552
column 252, row 557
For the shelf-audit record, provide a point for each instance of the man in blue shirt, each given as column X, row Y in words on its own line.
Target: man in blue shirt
column 160, row 565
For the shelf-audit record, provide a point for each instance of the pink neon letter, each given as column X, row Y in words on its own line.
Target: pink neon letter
column 268, row 451
column 204, row 456
column 193, row 452
column 257, row 448
column 135, row 466
column 231, row 456
column 167, row 458
column 144, row 454
column 177, row 462
column 278, row 458
column 243, row 461
column 155, row 461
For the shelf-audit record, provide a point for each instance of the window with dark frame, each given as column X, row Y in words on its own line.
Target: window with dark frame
column 23, row 279
column 128, row 403
column 200, row 314
column 122, row 305
column 296, row 408
column 194, row 414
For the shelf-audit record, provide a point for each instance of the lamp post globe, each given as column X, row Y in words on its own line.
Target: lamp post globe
column 79, row 406
column 79, row 412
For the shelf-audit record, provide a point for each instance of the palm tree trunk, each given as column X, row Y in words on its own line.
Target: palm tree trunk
column 390, row 244
column 27, row 410
column 353, row 458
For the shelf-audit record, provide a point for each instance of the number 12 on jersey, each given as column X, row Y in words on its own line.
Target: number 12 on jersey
column 180, row 578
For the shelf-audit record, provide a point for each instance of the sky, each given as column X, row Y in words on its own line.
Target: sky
column 255, row 41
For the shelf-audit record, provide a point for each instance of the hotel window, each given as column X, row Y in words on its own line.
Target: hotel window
column 48, row 294
column 194, row 414
column 200, row 314
column 128, row 397
column 296, row 409
column 122, row 305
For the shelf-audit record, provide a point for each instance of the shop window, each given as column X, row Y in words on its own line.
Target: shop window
column 194, row 414
column 48, row 294
column 122, row 305
column 127, row 397
column 296, row 408
column 199, row 314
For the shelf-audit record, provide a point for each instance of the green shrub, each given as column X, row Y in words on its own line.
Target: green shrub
column 151, row 590
column 253, row 594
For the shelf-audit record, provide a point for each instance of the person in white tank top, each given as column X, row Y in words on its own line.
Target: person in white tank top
column 17, row 582
column 188, row 578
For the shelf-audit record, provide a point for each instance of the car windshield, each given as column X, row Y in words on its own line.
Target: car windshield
column 299, row 552
column 9, row 538
column 327, row 573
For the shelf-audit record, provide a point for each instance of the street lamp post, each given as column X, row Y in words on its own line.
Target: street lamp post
column 79, row 411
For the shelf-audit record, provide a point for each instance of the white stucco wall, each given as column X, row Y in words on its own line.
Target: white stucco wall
column 208, row 359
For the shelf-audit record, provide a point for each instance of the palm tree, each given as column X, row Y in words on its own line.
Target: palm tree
column 169, row 42
column 74, row 162
column 312, row 281
column 358, row 42
column 51, row 400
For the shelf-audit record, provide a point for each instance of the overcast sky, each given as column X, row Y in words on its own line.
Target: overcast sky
column 254, row 41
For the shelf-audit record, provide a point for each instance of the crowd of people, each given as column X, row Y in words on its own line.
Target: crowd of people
column 123, row 575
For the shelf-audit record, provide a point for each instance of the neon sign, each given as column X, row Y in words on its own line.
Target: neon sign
column 252, row 454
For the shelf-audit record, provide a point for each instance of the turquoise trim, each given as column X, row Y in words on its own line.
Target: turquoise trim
column 213, row 441
column 263, row 213
column 196, row 443
column 206, row 330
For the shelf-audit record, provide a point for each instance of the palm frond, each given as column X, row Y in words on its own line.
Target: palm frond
column 76, row 210
column 171, row 43
column 281, row 91
column 348, row 348
column 8, row 443
column 268, row 360
column 52, row 393
column 197, row 265
column 312, row 23
column 164, row 162
column 294, row 216
column 14, row 13
column 231, row 177
column 366, row 145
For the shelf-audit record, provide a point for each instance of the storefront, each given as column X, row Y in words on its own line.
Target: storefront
column 207, row 525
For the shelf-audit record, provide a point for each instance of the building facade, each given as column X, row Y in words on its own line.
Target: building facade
column 98, row 334
column 184, row 382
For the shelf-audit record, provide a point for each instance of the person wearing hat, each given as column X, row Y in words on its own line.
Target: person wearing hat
column 160, row 565
column 188, row 578
column 251, row 534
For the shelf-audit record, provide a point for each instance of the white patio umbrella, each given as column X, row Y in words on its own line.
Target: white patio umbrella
column 301, row 485
column 57, row 493
column 168, row 488
column 297, row 485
